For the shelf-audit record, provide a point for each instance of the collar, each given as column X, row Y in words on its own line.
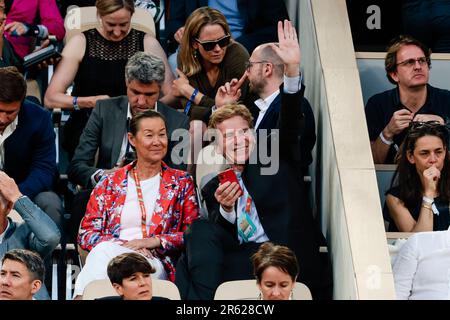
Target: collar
column 264, row 104
column 11, row 127
column 130, row 115
column 424, row 108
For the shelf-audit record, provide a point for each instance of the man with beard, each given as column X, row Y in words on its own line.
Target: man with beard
column 389, row 113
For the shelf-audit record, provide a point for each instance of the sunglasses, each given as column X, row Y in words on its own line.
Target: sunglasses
column 210, row 45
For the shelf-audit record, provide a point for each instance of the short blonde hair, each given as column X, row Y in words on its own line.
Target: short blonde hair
column 229, row 111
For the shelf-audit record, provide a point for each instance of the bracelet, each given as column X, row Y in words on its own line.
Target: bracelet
column 385, row 141
column 75, row 103
column 427, row 200
column 427, row 207
column 191, row 99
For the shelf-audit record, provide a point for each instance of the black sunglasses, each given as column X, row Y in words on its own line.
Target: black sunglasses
column 210, row 45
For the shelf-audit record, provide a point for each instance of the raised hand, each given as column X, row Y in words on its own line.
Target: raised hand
column 288, row 48
column 8, row 188
column 230, row 92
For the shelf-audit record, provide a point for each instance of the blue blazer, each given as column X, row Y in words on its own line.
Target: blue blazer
column 30, row 152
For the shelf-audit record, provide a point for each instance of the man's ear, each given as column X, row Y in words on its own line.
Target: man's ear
column 118, row 288
column 394, row 76
column 35, row 286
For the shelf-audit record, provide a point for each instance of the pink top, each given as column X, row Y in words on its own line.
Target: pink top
column 26, row 11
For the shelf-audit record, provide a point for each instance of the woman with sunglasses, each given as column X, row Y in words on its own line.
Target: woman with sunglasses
column 420, row 192
column 208, row 59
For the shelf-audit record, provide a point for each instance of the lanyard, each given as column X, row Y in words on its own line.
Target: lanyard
column 248, row 205
column 141, row 204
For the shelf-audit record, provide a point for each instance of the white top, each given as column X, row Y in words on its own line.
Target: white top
column 131, row 217
column 4, row 232
column 6, row 133
column 260, row 235
column 422, row 268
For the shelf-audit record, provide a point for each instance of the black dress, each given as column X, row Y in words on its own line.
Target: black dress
column 101, row 72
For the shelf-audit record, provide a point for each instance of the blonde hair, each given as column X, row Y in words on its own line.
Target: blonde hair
column 105, row 7
column 194, row 24
column 229, row 111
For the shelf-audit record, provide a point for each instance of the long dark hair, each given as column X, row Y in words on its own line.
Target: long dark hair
column 406, row 176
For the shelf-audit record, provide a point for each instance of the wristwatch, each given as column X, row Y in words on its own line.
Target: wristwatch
column 75, row 103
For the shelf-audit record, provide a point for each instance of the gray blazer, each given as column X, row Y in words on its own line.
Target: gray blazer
column 105, row 130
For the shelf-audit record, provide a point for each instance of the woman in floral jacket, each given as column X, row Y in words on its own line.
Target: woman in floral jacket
column 143, row 207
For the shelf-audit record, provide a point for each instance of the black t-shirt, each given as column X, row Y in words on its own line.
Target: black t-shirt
column 380, row 108
column 440, row 222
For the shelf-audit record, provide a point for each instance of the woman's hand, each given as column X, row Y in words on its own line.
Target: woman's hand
column 147, row 243
column 430, row 179
column 16, row 28
column 181, row 86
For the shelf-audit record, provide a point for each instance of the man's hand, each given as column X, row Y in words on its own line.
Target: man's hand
column 230, row 92
column 8, row 188
column 288, row 48
column 400, row 120
column 428, row 117
column 227, row 194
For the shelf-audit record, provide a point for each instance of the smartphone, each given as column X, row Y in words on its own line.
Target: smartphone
column 229, row 175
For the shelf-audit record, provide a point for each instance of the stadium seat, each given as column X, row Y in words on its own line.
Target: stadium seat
column 247, row 290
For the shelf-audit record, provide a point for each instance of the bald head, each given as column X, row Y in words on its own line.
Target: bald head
column 265, row 52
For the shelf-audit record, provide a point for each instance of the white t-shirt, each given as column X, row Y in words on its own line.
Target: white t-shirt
column 131, row 217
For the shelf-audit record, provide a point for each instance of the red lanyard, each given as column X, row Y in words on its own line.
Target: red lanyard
column 141, row 204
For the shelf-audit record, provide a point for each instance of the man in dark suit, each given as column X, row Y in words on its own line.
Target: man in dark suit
column 261, row 207
column 27, row 144
column 254, row 20
column 106, row 130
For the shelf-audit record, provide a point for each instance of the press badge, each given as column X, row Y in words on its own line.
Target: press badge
column 246, row 227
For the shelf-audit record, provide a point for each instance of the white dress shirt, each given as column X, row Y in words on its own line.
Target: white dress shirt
column 422, row 267
column 291, row 85
column 6, row 133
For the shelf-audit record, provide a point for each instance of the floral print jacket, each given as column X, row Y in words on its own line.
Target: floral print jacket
column 176, row 208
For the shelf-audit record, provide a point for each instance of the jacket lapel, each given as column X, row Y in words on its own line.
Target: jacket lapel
column 117, row 136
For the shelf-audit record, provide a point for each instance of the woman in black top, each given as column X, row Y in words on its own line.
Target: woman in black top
column 419, row 196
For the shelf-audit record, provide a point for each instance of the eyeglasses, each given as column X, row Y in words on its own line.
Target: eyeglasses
column 211, row 44
column 412, row 62
column 249, row 64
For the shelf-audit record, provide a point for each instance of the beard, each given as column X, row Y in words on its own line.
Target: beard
column 257, row 86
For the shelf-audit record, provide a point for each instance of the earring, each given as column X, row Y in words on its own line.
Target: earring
column 195, row 54
column 259, row 297
column 292, row 295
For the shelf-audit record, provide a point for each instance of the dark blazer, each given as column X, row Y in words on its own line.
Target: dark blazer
column 30, row 152
column 308, row 137
column 280, row 199
column 105, row 130
column 260, row 20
